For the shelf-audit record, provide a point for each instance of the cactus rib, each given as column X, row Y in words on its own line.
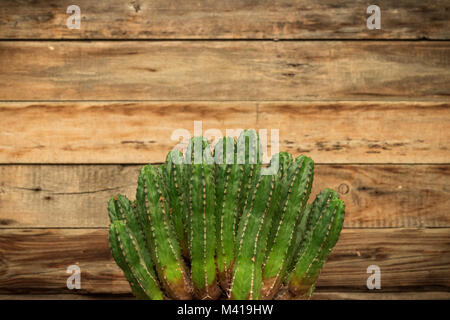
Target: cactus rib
column 173, row 172
column 130, row 250
column 249, row 259
column 297, row 187
column 152, row 209
column 327, row 216
column 202, row 217
column 228, row 177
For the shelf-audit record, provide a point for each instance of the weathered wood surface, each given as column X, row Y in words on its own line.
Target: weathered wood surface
column 141, row 132
column 213, row 19
column 319, row 294
column 34, row 261
column 375, row 115
column 381, row 295
column 224, row 70
column 76, row 195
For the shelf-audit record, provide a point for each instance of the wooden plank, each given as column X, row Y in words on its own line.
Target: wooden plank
column 141, row 132
column 125, row 132
column 244, row 19
column 62, row 296
column 224, row 70
column 319, row 294
column 380, row 295
column 34, row 261
column 389, row 195
column 362, row 132
column 76, row 195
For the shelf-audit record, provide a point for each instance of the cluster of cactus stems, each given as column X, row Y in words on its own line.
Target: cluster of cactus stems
column 209, row 225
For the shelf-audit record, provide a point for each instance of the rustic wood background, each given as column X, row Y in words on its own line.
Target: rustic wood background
column 82, row 110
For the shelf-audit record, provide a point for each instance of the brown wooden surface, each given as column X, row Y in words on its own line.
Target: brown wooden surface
column 35, row 261
column 231, row 19
column 79, row 117
column 140, row 132
column 224, row 70
column 320, row 294
column 76, row 196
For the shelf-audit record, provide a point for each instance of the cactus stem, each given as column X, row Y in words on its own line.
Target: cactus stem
column 255, row 248
column 328, row 209
column 249, row 258
column 282, row 250
column 242, row 238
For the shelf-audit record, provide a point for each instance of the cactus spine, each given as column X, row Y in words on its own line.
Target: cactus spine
column 209, row 225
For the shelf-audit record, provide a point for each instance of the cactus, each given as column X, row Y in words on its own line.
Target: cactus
column 209, row 225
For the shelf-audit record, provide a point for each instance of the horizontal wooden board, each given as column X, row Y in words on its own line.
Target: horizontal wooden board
column 319, row 294
column 77, row 195
column 381, row 295
column 237, row 19
column 141, row 132
column 224, row 70
column 34, row 261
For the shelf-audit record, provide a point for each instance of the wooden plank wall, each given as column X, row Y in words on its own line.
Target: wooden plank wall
column 82, row 110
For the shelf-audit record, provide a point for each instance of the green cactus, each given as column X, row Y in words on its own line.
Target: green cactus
column 211, row 225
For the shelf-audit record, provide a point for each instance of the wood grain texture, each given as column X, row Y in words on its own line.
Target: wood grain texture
column 141, row 132
column 76, row 195
column 79, row 118
column 224, row 70
column 214, row 19
column 381, row 295
column 34, row 261
column 319, row 294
